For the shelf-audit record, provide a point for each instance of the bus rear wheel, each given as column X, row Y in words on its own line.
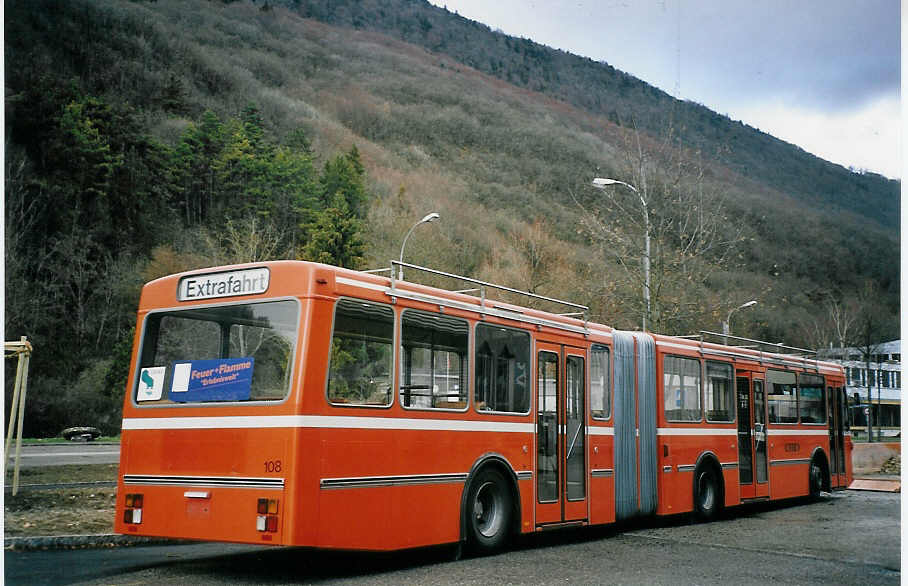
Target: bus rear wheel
column 489, row 511
column 707, row 496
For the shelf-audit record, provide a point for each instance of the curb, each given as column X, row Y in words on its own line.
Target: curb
column 84, row 541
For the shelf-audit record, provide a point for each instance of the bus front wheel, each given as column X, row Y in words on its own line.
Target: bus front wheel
column 489, row 511
column 815, row 479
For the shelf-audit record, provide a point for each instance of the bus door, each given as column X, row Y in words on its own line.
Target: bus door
column 752, row 457
column 838, row 408
column 561, row 490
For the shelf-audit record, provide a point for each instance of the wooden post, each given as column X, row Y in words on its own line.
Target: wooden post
column 22, row 349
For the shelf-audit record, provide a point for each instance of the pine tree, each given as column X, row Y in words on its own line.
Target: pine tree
column 335, row 237
column 344, row 175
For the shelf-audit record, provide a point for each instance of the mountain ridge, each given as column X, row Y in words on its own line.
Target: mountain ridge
column 704, row 125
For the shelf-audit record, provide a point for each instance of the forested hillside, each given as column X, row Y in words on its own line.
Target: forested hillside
column 601, row 89
column 145, row 138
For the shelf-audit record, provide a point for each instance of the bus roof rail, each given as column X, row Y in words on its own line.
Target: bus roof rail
column 762, row 345
column 482, row 286
column 808, row 357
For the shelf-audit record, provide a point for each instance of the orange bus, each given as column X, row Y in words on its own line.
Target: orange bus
column 302, row 404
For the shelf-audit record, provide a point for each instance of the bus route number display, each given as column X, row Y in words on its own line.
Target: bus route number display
column 227, row 284
column 223, row 379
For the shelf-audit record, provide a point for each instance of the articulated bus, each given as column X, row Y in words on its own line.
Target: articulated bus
column 301, row 404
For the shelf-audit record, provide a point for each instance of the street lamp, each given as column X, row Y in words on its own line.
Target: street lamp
column 726, row 324
column 428, row 218
column 601, row 183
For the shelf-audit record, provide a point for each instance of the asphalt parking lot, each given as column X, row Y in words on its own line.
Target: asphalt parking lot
column 846, row 538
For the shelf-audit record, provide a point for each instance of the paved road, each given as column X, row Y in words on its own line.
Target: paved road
column 848, row 538
column 72, row 453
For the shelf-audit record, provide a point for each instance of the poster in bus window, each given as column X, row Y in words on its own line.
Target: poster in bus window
column 151, row 383
column 223, row 379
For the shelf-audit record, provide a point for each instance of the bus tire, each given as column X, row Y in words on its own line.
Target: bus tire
column 489, row 511
column 707, row 493
column 815, row 479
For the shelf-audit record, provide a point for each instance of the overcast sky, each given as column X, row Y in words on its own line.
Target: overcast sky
column 822, row 74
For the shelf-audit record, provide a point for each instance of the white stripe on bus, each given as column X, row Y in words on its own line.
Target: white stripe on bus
column 695, row 431
column 601, row 430
column 361, row 284
column 350, row 422
column 795, row 431
column 323, row 422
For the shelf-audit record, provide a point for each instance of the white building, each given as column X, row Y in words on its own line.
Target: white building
column 883, row 381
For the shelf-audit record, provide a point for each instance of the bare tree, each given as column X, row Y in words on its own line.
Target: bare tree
column 834, row 326
column 250, row 239
column 869, row 330
column 667, row 234
column 25, row 202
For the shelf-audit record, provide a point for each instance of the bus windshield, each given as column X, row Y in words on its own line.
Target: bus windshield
column 237, row 352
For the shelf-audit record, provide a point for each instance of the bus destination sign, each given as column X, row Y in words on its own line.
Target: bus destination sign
column 228, row 284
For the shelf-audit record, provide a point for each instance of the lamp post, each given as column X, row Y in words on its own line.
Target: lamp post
column 428, row 218
column 726, row 329
column 601, row 183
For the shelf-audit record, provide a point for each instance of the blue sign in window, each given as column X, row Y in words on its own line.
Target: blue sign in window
column 223, row 379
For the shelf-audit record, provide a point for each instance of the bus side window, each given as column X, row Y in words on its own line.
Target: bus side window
column 600, row 383
column 719, row 392
column 782, row 398
column 502, row 369
column 681, row 389
column 812, row 395
column 362, row 354
column 433, row 361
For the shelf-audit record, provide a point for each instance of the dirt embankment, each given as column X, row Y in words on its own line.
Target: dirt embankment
column 82, row 510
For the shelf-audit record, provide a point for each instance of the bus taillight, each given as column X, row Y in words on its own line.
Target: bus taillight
column 133, row 512
column 267, row 515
